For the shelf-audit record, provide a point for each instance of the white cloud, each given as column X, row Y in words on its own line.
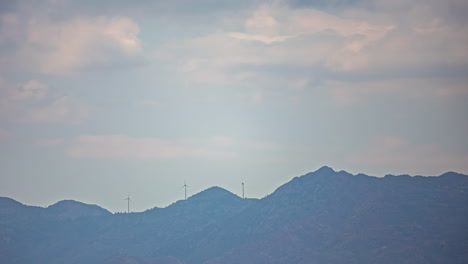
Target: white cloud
column 301, row 37
column 400, row 41
column 278, row 23
column 260, row 38
column 127, row 147
column 39, row 43
column 82, row 42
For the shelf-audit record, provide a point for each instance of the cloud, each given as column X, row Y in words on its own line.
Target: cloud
column 64, row 109
column 279, row 35
column 9, row 23
column 389, row 154
column 127, row 147
column 51, row 142
column 278, row 23
column 222, row 141
column 346, row 93
column 411, row 45
column 33, row 90
column 97, row 42
column 33, row 102
column 260, row 38
column 70, row 45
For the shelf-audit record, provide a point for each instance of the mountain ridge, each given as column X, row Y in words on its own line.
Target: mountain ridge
column 323, row 216
column 322, row 171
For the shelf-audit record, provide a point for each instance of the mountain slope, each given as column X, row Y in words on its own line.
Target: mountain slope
column 359, row 219
column 321, row 217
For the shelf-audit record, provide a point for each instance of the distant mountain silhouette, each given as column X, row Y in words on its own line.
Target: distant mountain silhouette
column 69, row 209
column 322, row 217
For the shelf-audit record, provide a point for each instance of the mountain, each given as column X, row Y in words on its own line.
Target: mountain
column 69, row 209
column 26, row 231
column 321, row 217
column 335, row 217
column 15, row 211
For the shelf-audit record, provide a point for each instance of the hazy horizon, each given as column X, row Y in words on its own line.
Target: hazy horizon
column 102, row 99
column 238, row 194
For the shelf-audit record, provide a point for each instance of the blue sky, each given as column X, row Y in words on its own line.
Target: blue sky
column 101, row 99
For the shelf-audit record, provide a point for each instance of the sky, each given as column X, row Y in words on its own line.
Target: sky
column 99, row 99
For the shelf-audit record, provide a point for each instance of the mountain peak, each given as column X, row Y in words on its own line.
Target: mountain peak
column 66, row 203
column 214, row 193
column 70, row 209
column 452, row 174
column 325, row 169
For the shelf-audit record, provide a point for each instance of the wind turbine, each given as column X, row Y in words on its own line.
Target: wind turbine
column 128, row 203
column 185, row 187
column 243, row 197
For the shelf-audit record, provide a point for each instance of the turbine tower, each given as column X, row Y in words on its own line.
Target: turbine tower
column 243, row 197
column 185, row 187
column 128, row 203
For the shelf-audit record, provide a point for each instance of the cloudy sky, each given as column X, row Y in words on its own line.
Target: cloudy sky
column 99, row 99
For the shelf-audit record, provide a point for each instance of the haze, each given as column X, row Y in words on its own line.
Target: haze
column 102, row 99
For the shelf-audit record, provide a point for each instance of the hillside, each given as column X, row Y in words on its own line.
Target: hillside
column 321, row 217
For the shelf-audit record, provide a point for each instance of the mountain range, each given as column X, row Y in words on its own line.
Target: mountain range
column 321, row 217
